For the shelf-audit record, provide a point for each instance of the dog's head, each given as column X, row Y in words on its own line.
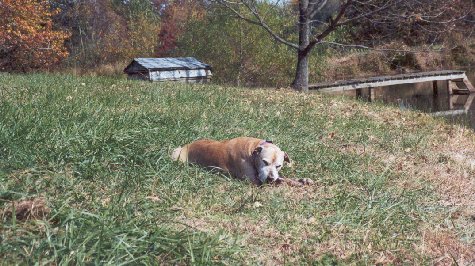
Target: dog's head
column 268, row 160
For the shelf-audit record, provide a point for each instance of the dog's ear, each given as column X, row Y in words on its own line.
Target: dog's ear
column 257, row 150
column 287, row 159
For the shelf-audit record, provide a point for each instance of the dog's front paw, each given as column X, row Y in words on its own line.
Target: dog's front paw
column 305, row 181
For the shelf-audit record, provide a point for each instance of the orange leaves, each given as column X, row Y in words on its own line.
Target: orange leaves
column 177, row 14
column 27, row 38
column 109, row 31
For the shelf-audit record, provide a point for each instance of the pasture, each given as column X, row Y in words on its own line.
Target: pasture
column 391, row 186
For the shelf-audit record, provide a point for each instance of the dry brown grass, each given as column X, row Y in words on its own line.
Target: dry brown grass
column 384, row 61
column 444, row 248
column 110, row 69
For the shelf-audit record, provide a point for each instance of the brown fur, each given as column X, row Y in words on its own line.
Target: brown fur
column 241, row 157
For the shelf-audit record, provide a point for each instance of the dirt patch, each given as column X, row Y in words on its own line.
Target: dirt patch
column 32, row 209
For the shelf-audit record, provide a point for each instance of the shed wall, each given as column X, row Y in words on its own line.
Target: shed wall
column 197, row 74
column 141, row 76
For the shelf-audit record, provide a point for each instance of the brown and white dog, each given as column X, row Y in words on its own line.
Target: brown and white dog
column 253, row 159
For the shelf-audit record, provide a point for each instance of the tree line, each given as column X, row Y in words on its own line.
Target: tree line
column 248, row 42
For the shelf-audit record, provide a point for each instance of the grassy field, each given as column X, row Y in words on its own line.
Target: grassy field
column 90, row 157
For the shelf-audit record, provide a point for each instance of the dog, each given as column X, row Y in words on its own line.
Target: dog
column 256, row 160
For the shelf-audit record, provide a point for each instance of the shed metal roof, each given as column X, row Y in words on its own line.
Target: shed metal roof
column 166, row 63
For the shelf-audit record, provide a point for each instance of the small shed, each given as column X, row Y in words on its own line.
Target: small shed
column 186, row 69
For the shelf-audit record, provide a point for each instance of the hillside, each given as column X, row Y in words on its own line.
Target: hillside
column 91, row 154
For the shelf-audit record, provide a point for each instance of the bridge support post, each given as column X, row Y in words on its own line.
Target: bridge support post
column 371, row 93
column 469, row 85
column 469, row 101
column 435, row 88
column 367, row 93
column 452, row 99
column 451, row 86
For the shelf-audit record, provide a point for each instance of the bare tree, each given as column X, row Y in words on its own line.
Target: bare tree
column 414, row 22
column 314, row 28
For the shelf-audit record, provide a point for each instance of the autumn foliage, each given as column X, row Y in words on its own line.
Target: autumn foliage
column 176, row 15
column 102, row 36
column 108, row 32
column 28, row 40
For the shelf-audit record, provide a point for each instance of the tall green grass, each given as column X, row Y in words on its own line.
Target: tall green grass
column 97, row 150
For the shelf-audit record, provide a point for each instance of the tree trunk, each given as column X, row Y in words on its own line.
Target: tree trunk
column 300, row 82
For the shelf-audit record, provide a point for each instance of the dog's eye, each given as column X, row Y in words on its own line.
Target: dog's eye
column 266, row 162
column 278, row 166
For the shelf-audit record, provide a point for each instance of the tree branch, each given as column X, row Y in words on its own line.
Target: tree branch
column 315, row 7
column 237, row 13
column 387, row 5
column 267, row 28
column 331, row 27
column 360, row 46
column 259, row 21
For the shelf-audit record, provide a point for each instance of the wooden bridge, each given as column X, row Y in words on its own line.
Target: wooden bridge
column 454, row 78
